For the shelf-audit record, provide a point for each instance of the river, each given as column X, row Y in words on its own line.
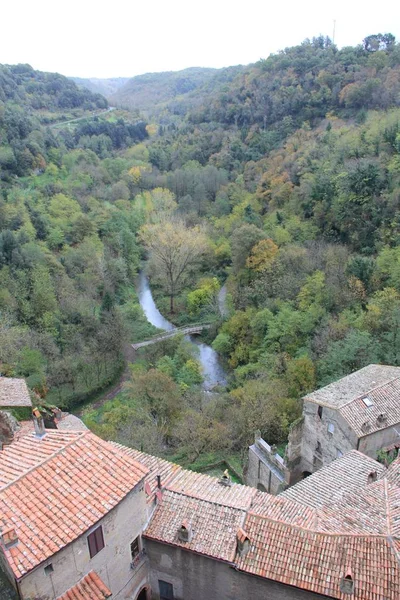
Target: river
column 213, row 372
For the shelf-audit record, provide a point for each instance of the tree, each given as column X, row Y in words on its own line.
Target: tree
column 262, row 255
column 174, row 251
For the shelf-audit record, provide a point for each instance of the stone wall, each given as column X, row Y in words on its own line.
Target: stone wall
column 266, row 469
column 324, row 437
column 372, row 443
column 113, row 563
column 195, row 577
column 8, row 427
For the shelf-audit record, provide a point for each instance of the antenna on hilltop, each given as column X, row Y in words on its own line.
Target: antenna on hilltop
column 334, row 31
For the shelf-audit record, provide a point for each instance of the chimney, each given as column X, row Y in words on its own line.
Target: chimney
column 38, row 423
column 373, row 476
column 9, row 537
column 243, row 542
column 159, row 482
column 347, row 583
column 365, row 427
column 381, row 420
column 225, row 479
column 185, row 532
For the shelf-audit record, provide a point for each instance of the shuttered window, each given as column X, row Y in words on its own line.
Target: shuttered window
column 95, row 541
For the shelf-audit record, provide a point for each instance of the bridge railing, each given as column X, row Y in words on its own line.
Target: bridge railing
column 174, row 331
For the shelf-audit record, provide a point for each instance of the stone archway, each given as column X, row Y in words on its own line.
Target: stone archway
column 144, row 594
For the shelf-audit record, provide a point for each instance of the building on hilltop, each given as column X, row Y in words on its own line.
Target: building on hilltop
column 360, row 411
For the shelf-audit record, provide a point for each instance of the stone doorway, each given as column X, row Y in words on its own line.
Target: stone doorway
column 144, row 594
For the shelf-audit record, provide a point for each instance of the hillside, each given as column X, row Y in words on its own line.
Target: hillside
column 144, row 92
column 105, row 87
column 280, row 180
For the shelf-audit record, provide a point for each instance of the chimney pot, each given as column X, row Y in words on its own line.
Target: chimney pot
column 243, row 542
column 38, row 423
column 9, row 537
column 185, row 532
column 225, row 479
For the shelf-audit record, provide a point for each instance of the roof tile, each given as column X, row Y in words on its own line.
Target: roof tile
column 55, row 488
column 91, row 587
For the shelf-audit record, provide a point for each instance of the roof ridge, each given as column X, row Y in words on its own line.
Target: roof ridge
column 79, row 436
column 388, row 509
column 318, row 532
column 195, row 497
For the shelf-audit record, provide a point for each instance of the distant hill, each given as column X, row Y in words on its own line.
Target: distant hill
column 144, row 92
column 41, row 112
column 106, row 87
column 37, row 90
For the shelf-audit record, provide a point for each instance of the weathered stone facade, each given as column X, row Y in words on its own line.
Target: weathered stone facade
column 360, row 411
column 266, row 469
column 121, row 526
column 8, row 428
column 195, row 577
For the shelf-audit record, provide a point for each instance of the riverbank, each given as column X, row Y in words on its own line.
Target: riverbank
column 213, row 372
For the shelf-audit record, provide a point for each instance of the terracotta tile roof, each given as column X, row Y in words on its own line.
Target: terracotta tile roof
column 366, row 511
column 91, row 587
column 330, row 483
column 282, row 509
column 214, row 526
column 309, row 545
column 208, row 488
column 385, row 401
column 14, row 392
column 316, row 562
column 58, row 488
column 29, row 451
column 352, row 386
column 393, row 472
column 156, row 466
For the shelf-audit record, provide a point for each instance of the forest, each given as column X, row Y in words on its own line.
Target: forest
column 279, row 180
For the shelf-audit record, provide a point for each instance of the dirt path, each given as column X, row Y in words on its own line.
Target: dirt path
column 114, row 390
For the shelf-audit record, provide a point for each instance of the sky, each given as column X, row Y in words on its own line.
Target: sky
column 122, row 38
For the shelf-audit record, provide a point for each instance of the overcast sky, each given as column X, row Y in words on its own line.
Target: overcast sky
column 127, row 37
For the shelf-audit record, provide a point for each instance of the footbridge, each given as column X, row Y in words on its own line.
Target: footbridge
column 194, row 329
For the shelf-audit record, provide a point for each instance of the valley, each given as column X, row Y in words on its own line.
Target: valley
column 264, row 201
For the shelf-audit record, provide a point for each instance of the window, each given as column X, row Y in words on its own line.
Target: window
column 367, row 401
column 320, row 412
column 49, row 569
column 331, row 428
column 135, row 548
column 166, row 590
column 95, row 541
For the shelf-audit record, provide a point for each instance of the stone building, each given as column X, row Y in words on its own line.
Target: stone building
column 360, row 411
column 81, row 518
column 72, row 509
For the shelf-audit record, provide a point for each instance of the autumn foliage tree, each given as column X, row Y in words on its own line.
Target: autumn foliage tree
column 174, row 250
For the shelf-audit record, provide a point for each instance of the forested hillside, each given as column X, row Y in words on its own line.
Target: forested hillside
column 68, row 249
column 105, row 87
column 150, row 92
column 280, row 179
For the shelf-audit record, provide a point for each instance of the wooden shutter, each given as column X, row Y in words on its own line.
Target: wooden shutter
column 95, row 541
